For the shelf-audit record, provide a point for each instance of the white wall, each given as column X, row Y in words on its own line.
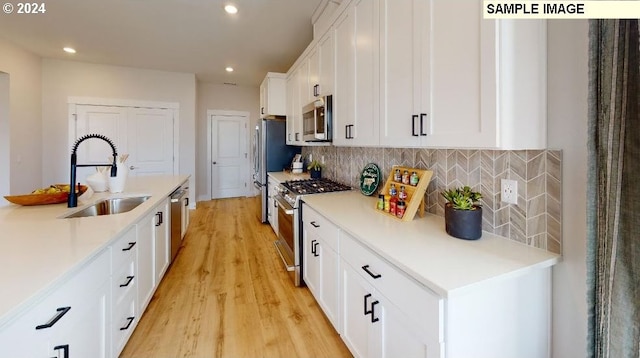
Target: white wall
column 21, row 148
column 567, row 116
column 221, row 97
column 63, row 79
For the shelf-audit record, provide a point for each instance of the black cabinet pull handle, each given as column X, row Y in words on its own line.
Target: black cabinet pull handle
column 314, row 224
column 65, row 350
column 315, row 249
column 374, row 275
column 130, row 319
column 315, row 90
column 297, row 136
column 186, row 201
column 131, row 245
column 60, row 312
column 261, row 110
column 129, row 279
column 159, row 215
column 366, row 308
column 346, row 131
column 422, row 115
column 374, row 319
column 413, row 125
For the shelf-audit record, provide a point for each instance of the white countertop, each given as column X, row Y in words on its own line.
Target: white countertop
column 422, row 248
column 285, row 176
column 38, row 249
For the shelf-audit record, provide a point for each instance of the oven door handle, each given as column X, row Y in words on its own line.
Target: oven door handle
column 286, row 207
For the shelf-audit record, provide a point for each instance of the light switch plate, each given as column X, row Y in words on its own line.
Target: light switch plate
column 509, row 191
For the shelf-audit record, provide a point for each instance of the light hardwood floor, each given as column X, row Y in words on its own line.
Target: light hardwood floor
column 227, row 295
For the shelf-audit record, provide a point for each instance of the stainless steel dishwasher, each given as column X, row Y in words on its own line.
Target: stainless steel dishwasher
column 179, row 200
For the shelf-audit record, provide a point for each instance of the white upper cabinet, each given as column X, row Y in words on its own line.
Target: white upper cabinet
column 356, row 92
column 404, row 71
column 272, row 95
column 432, row 73
column 326, row 65
column 294, row 106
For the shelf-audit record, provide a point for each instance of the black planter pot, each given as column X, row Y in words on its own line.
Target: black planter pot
column 463, row 224
column 315, row 174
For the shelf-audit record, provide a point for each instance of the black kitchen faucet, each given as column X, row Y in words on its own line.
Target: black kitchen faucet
column 72, row 199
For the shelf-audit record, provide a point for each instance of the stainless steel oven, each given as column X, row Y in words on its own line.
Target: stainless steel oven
column 286, row 244
column 289, row 243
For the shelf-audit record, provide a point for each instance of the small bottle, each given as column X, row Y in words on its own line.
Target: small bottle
column 393, row 204
column 400, row 208
column 396, row 176
column 405, row 177
column 402, row 195
column 380, row 201
column 414, row 179
column 387, row 205
column 392, row 190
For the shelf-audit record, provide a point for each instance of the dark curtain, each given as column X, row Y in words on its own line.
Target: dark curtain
column 613, row 255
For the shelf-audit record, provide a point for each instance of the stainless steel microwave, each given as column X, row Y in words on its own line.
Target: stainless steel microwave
column 316, row 120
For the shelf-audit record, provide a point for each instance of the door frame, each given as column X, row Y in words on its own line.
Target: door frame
column 247, row 169
column 72, row 102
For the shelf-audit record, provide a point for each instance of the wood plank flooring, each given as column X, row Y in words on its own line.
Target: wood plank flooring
column 227, row 295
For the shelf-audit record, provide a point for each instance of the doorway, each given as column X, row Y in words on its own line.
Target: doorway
column 228, row 153
column 5, row 136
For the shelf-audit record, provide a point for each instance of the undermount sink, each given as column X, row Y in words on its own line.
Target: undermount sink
column 110, row 207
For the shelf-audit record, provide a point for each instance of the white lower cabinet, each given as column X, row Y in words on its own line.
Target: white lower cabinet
column 322, row 264
column 70, row 321
column 146, row 278
column 272, row 205
column 162, row 240
column 124, row 282
column 374, row 325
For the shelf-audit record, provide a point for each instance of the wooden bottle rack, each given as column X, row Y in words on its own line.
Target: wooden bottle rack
column 415, row 194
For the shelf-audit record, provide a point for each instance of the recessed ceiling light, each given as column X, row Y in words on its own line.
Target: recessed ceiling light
column 229, row 69
column 69, row 50
column 231, row 9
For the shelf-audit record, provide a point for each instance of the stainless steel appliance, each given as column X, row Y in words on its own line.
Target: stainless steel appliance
column 270, row 154
column 179, row 218
column 289, row 243
column 317, row 120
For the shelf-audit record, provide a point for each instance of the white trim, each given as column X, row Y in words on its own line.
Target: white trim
column 217, row 112
column 117, row 102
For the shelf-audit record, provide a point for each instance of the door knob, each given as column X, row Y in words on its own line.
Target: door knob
column 215, row 162
column 133, row 168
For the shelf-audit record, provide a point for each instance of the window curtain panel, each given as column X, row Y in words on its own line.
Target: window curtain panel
column 613, row 213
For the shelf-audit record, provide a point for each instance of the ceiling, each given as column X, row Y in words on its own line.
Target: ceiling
column 193, row 36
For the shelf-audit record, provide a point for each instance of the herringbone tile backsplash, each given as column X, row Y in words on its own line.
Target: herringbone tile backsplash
column 536, row 219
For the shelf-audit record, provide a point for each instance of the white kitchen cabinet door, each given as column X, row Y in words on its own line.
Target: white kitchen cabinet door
column 162, row 241
column 329, row 268
column 356, row 116
column 404, row 68
column 272, row 205
column 146, row 279
column 357, row 304
column 272, row 95
column 291, row 107
column 311, row 270
column 326, row 65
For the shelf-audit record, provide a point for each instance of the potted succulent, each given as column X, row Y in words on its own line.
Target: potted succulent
column 463, row 213
column 315, row 169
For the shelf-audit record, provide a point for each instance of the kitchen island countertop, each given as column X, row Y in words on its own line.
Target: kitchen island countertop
column 422, row 248
column 39, row 249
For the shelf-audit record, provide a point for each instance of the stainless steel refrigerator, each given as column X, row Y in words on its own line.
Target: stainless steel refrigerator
column 271, row 154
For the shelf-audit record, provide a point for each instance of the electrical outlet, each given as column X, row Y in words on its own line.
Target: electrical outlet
column 509, row 191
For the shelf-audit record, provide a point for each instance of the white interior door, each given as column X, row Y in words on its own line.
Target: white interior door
column 150, row 141
column 229, row 159
column 109, row 121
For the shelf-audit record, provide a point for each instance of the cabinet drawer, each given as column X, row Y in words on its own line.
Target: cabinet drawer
column 123, row 248
column 414, row 300
column 317, row 224
column 123, row 323
column 124, row 281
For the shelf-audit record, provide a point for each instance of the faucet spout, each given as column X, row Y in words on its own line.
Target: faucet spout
column 72, row 198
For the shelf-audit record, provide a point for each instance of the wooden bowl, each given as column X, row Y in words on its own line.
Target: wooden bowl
column 43, row 199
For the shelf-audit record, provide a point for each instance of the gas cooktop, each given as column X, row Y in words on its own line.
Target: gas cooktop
column 314, row 186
